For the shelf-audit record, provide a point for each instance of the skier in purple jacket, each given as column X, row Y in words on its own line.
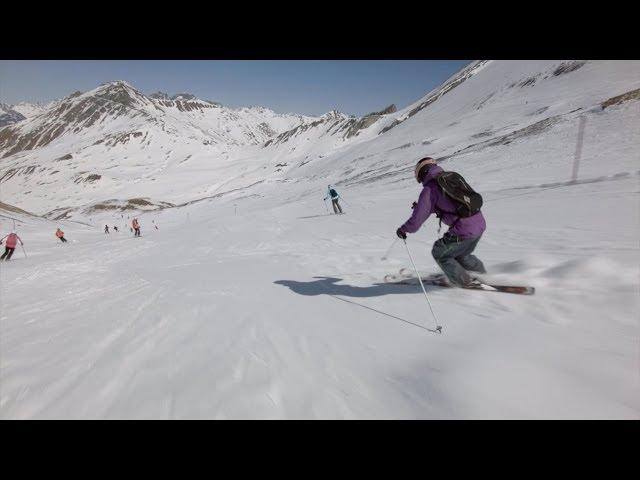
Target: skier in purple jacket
column 453, row 252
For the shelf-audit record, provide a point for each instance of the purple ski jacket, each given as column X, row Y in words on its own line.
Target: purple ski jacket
column 432, row 197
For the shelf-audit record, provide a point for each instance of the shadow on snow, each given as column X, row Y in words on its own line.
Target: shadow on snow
column 328, row 286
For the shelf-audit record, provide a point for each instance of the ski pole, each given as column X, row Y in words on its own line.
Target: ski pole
column 389, row 250
column 325, row 205
column 24, row 251
column 438, row 327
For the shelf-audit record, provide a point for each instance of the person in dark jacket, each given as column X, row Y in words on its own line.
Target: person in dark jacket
column 331, row 192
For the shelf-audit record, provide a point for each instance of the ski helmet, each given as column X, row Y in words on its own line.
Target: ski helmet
column 422, row 167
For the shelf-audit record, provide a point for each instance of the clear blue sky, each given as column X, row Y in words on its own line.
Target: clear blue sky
column 309, row 87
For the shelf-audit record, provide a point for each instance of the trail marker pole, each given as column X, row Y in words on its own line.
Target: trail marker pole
column 578, row 153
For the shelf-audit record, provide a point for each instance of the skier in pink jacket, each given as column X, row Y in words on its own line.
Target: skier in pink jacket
column 10, row 245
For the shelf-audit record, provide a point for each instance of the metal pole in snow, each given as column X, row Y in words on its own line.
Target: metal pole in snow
column 389, row 250
column 578, row 154
column 435, row 319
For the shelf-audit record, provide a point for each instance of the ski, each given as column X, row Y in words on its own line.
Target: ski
column 517, row 289
column 404, row 277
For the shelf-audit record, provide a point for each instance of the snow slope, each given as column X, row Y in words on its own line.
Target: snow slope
column 255, row 303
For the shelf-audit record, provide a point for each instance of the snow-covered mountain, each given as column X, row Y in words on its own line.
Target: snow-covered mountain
column 29, row 110
column 115, row 126
column 8, row 116
column 487, row 104
column 113, row 145
column 115, row 107
column 322, row 135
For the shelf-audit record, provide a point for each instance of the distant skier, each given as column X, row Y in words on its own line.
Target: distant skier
column 331, row 192
column 10, row 246
column 115, row 228
column 136, row 227
column 60, row 235
column 106, row 229
column 154, row 224
column 453, row 252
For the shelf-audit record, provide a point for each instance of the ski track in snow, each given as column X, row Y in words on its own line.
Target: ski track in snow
column 286, row 321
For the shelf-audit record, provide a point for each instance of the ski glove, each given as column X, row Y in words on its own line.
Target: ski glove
column 401, row 234
column 414, row 205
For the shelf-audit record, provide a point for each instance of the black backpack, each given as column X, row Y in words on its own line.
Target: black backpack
column 467, row 201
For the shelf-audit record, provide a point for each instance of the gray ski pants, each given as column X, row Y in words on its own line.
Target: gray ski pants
column 454, row 257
